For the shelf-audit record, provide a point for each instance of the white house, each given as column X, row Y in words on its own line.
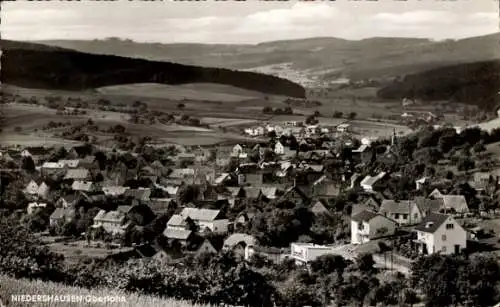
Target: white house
column 304, row 253
column 343, row 128
column 207, row 218
column 367, row 225
column 279, row 149
column 33, row 206
column 440, row 233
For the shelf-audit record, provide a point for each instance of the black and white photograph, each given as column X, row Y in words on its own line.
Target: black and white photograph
column 250, row 153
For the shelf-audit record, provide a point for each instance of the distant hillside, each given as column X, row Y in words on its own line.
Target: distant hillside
column 474, row 83
column 361, row 59
column 38, row 66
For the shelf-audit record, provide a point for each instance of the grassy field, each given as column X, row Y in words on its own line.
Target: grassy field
column 10, row 286
column 201, row 91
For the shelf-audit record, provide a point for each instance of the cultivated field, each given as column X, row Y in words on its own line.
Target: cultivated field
column 10, row 286
column 201, row 91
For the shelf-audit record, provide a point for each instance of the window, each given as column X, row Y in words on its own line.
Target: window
column 415, row 216
column 396, row 216
column 443, row 238
column 361, row 226
column 405, row 216
column 449, row 226
column 443, row 249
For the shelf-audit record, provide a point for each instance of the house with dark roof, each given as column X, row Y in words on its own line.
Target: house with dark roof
column 440, row 233
column 67, row 201
column 211, row 219
column 369, row 225
column 61, row 216
column 37, row 153
column 295, row 194
column 404, row 212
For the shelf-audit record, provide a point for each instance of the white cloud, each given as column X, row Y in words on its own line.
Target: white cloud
column 177, row 22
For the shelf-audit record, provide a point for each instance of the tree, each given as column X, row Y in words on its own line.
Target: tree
column 181, row 106
column 352, row 115
column 365, row 263
column 267, row 110
column 28, row 164
column 338, row 114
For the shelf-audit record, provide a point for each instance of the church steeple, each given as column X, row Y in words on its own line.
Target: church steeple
column 393, row 138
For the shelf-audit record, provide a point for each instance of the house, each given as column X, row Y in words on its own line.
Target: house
column 70, row 163
column 303, row 253
column 160, row 206
column 35, row 205
column 114, row 190
column 252, row 192
column 222, row 178
column 184, row 157
column 181, row 237
column 343, row 128
column 210, row 219
column 139, row 194
column 237, row 243
column 319, row 207
column 279, row 149
column 67, row 201
column 370, row 183
column 421, row 183
column 429, row 205
column 61, row 216
column 84, row 186
column 182, row 173
column 254, row 178
column 454, row 204
column 295, row 194
column 37, row 188
column 49, row 168
column 178, row 222
column 435, row 194
column 112, row 222
column 368, row 225
column 232, row 194
column 78, row 174
column 440, row 233
column 363, row 154
column 404, row 212
column 325, row 188
column 269, row 192
column 204, row 247
column 237, row 150
column 272, row 254
column 243, row 218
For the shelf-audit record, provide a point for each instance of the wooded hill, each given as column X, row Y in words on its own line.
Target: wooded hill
column 37, row 66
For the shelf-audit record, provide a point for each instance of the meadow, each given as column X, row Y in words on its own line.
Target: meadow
column 10, row 286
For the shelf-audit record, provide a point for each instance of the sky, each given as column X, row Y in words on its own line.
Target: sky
column 249, row 22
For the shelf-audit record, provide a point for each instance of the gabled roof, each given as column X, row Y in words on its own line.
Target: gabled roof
column 237, row 238
column 114, row 190
column 319, row 207
column 179, row 234
column 124, row 209
column 269, row 192
column 110, row 216
column 223, row 177
column 235, row 191
column 70, row 198
column 364, row 216
column 55, row 165
column 371, row 180
column 176, row 220
column 252, row 192
column 431, row 222
column 200, row 214
column 428, row 204
column 60, row 213
column 456, row 202
column 392, row 206
column 77, row 173
column 70, row 163
column 141, row 193
column 82, row 185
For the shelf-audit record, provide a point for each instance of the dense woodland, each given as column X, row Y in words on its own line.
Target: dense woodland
column 473, row 83
column 26, row 65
